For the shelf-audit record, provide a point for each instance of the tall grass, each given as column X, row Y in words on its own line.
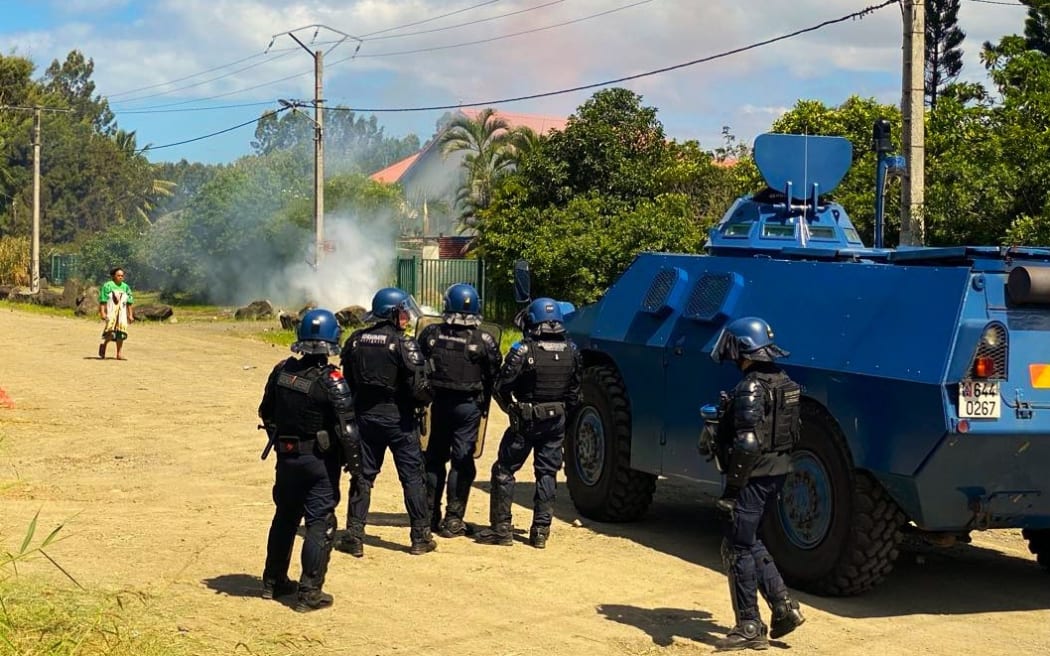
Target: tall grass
column 14, row 261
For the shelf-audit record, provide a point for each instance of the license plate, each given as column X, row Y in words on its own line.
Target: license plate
column 979, row 399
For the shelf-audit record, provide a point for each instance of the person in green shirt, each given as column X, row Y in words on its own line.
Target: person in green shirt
column 115, row 307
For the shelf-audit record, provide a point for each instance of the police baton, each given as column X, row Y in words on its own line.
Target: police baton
column 269, row 443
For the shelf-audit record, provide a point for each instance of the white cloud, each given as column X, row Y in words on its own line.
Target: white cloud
column 172, row 39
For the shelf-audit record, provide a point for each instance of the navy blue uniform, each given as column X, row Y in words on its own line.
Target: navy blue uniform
column 464, row 364
column 386, row 373
column 538, row 386
column 304, row 405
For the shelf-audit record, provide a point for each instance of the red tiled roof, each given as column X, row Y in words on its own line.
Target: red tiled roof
column 394, row 172
column 539, row 124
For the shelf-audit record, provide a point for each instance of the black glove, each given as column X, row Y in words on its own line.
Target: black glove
column 726, row 505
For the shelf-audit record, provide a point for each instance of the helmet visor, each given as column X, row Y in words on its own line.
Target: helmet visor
column 725, row 348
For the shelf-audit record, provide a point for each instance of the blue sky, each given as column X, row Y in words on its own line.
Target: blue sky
column 179, row 69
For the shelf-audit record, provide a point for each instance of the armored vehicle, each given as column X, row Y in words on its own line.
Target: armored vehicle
column 926, row 375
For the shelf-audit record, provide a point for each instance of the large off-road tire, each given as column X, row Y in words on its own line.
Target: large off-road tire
column 1039, row 544
column 835, row 530
column 598, row 452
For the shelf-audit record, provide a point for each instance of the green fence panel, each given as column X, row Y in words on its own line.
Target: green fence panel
column 63, row 267
column 427, row 279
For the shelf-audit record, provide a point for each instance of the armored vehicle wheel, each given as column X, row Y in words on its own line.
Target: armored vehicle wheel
column 1039, row 544
column 598, row 452
column 836, row 531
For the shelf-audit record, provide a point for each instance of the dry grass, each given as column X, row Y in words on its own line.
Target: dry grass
column 14, row 261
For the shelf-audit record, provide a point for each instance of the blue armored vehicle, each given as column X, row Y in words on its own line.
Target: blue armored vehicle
column 926, row 375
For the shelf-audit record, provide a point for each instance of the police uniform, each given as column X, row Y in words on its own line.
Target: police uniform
column 464, row 364
column 537, row 387
column 306, row 407
column 759, row 428
column 386, row 373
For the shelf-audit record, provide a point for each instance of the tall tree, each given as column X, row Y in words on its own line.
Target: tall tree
column 1037, row 25
column 71, row 81
column 943, row 47
column 488, row 153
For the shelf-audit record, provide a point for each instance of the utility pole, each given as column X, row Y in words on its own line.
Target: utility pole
column 318, row 120
column 34, row 266
column 913, row 229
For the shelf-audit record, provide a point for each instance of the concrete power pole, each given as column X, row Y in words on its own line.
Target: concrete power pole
column 34, row 268
column 913, row 228
column 318, row 120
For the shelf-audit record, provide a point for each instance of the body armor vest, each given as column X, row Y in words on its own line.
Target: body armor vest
column 550, row 371
column 457, row 358
column 376, row 359
column 299, row 401
column 781, row 427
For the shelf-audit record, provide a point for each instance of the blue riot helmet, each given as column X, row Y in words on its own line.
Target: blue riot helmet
column 386, row 301
column 544, row 316
column 748, row 338
column 462, row 298
column 318, row 334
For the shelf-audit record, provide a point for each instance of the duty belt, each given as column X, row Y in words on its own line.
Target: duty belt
column 294, row 445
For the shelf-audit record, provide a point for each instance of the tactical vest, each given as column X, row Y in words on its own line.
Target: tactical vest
column 376, row 359
column 551, row 367
column 298, row 405
column 782, row 423
column 457, row 357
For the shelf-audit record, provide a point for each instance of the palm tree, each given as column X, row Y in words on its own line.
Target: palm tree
column 145, row 201
column 488, row 144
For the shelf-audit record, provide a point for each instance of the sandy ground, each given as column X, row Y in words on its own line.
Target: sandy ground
column 154, row 464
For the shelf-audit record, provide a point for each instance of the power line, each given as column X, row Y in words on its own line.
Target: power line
column 467, row 24
column 345, row 59
column 998, row 2
column 857, row 15
column 285, row 51
column 498, row 38
column 217, row 133
column 431, row 19
column 192, row 109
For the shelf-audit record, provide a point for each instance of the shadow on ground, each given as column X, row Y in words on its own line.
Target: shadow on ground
column 243, row 585
column 957, row 581
column 664, row 624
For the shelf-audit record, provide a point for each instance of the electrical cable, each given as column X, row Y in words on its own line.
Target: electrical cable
column 217, row 133
column 856, row 15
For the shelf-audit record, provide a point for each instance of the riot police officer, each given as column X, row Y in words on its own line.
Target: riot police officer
column 385, row 369
column 759, row 428
column 308, row 414
column 538, row 386
column 464, row 362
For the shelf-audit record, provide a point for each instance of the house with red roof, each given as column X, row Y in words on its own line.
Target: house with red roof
column 430, row 179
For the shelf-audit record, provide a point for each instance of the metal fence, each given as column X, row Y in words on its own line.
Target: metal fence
column 63, row 267
column 427, row 280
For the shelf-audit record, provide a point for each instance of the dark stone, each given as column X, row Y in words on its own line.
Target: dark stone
column 87, row 303
column 352, row 316
column 72, row 292
column 255, row 310
column 153, row 312
column 48, row 297
column 288, row 320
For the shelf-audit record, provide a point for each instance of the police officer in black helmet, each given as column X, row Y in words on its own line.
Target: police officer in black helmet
column 464, row 363
column 308, row 413
column 759, row 428
column 538, row 386
column 386, row 372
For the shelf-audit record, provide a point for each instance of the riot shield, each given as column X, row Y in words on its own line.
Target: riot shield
column 421, row 323
column 496, row 331
column 493, row 329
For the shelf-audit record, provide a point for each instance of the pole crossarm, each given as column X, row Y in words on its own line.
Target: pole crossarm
column 318, row 121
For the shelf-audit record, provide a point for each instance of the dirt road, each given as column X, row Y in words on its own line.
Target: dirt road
column 156, row 459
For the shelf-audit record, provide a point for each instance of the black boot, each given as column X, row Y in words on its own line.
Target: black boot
column 312, row 600
column 452, row 527
column 786, row 617
column 747, row 634
column 351, row 541
column 500, row 534
column 278, row 587
column 538, row 536
column 422, row 542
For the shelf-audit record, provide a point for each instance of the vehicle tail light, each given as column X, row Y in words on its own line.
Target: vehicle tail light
column 983, row 367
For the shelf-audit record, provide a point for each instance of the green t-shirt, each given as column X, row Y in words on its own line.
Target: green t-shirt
column 109, row 287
